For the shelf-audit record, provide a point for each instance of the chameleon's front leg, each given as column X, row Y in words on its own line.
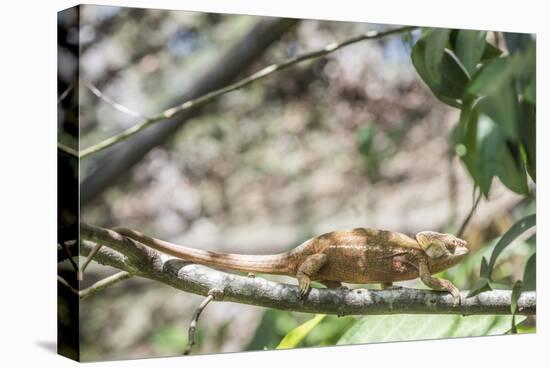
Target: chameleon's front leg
column 436, row 283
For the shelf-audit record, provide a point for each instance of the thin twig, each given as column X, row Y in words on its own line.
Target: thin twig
column 65, row 93
column 69, row 255
column 171, row 112
column 117, row 106
column 66, row 284
column 67, row 150
column 87, row 261
column 470, row 215
column 104, row 283
column 97, row 286
column 193, row 324
column 61, row 146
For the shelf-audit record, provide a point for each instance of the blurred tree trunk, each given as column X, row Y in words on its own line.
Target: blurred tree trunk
column 116, row 161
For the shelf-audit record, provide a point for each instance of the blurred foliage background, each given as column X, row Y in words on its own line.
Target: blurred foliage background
column 357, row 138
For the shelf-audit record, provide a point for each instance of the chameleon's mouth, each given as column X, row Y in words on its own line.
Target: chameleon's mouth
column 462, row 250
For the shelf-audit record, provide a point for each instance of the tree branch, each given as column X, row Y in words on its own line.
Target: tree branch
column 263, row 73
column 194, row 321
column 137, row 259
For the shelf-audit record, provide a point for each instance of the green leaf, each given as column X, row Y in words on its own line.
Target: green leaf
column 494, row 75
column 515, row 231
column 517, row 42
column 527, row 79
column 296, row 335
column 329, row 331
column 481, row 285
column 490, row 145
column 490, row 52
column 169, row 339
column 516, row 292
column 511, row 170
column 436, row 41
column 530, row 274
column 499, row 157
column 389, row 328
column 513, row 329
column 502, row 107
column 484, row 269
column 486, row 152
column 460, row 130
column 470, row 46
column 524, row 328
column 530, row 92
column 527, row 133
column 466, row 142
column 451, row 84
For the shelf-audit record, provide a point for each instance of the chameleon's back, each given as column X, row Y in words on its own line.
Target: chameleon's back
column 363, row 255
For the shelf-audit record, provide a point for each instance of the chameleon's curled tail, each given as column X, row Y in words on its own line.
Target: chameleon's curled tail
column 271, row 264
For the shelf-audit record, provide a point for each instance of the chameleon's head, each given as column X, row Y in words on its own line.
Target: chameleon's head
column 442, row 245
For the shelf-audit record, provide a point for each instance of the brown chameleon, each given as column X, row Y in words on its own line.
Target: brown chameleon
column 360, row 255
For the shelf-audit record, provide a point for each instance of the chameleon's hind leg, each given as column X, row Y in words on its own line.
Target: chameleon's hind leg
column 309, row 269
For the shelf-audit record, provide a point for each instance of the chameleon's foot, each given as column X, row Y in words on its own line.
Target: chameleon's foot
column 455, row 293
column 304, row 284
column 439, row 284
column 457, row 300
column 304, row 290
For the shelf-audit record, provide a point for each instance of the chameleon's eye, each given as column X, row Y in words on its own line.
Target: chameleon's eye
column 451, row 246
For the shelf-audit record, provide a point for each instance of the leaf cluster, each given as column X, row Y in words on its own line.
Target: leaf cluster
column 496, row 94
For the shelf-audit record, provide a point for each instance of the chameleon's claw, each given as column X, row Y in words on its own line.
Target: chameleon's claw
column 457, row 299
column 304, row 288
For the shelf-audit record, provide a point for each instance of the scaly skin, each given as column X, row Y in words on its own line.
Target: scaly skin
column 360, row 255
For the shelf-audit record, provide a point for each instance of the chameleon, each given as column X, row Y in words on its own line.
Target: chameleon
column 357, row 256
